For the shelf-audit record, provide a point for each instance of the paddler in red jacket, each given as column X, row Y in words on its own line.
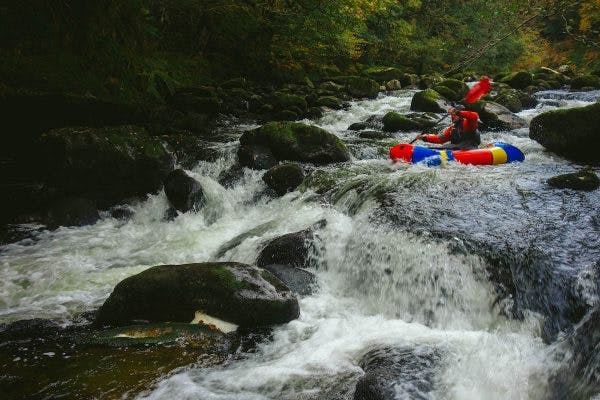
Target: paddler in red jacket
column 462, row 134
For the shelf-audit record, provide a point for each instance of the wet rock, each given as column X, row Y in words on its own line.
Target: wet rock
column 582, row 180
column 233, row 292
column 291, row 249
column 331, row 87
column 358, row 126
column 41, row 359
column 578, row 377
column 510, row 100
column 447, row 92
column 394, row 84
column 394, row 122
column 73, row 211
column 407, row 80
column 585, row 81
column 398, row 372
column 375, row 135
column 300, row 281
column 428, row 100
column 284, row 101
column 105, row 164
column 184, row 192
column 189, row 150
column 284, row 178
column 496, row 117
column 457, row 86
column 573, row 133
column 518, row 80
column 256, row 157
column 359, row 87
column 298, row 142
column 331, row 102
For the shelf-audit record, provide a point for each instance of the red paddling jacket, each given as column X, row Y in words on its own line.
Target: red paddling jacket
column 464, row 129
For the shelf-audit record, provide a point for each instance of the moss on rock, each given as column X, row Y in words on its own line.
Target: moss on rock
column 233, row 292
column 583, row 81
column 428, row 100
column 573, row 133
column 394, row 122
column 518, row 80
column 298, row 142
column 284, row 178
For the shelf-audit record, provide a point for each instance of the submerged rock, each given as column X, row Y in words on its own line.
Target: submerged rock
column 284, row 178
column 573, row 133
column 105, row 164
column 429, row 100
column 41, row 359
column 582, row 180
column 184, row 192
column 298, row 142
column 236, row 293
column 397, row 372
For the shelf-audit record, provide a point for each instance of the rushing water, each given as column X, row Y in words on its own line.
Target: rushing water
column 388, row 266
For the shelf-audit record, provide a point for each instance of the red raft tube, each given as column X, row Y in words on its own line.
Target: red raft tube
column 496, row 153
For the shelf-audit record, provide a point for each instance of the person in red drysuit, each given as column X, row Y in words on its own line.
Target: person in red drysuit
column 462, row 134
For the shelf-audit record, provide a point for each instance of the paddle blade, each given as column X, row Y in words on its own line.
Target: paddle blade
column 479, row 90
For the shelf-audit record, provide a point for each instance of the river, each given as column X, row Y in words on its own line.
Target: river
column 404, row 260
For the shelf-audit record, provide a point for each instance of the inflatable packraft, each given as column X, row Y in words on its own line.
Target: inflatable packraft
column 497, row 153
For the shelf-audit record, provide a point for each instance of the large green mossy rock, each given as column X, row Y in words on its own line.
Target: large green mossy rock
column 585, row 81
column 358, row 86
column 105, row 164
column 298, row 142
column 284, row 178
column 428, row 100
column 458, row 87
column 383, row 74
column 573, row 133
column 284, row 101
column 582, row 180
column 237, row 293
column 447, row 92
column 394, row 122
column 518, row 80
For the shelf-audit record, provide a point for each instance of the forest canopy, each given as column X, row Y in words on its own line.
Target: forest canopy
column 285, row 39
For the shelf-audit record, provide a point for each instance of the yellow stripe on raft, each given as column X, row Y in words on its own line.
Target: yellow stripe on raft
column 499, row 156
column 443, row 158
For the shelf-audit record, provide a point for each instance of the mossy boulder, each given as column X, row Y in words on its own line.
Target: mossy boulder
column 582, row 180
column 331, row 87
column 237, row 293
column 496, row 117
column 331, row 102
column 458, row 87
column 509, row 99
column 284, row 101
column 585, row 81
column 298, row 142
column 105, row 164
column 383, row 74
column 429, row 100
column 358, row 86
column 447, row 92
column 518, row 80
column 393, row 84
column 573, row 133
column 256, row 157
column 284, row 178
column 189, row 149
column 394, row 122
column 184, row 192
